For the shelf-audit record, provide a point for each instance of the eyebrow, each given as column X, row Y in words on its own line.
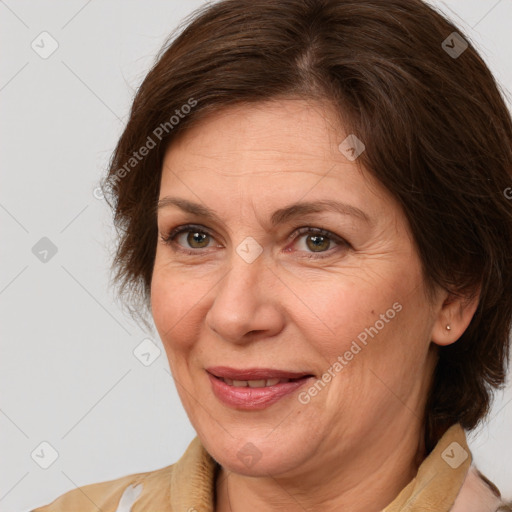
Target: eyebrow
column 278, row 217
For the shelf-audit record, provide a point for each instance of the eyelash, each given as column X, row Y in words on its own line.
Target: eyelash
column 169, row 239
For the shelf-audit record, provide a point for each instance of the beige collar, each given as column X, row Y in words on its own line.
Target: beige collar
column 439, row 478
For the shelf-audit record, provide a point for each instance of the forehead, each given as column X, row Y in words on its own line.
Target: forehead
column 278, row 124
column 260, row 140
column 286, row 149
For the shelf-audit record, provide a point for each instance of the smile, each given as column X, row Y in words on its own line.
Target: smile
column 254, row 394
column 254, row 383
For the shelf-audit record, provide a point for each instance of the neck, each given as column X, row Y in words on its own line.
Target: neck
column 371, row 479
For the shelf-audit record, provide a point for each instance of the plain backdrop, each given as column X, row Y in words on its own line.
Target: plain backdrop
column 69, row 376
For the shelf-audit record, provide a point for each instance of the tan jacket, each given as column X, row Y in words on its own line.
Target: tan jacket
column 445, row 481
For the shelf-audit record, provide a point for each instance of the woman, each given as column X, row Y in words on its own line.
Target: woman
column 311, row 202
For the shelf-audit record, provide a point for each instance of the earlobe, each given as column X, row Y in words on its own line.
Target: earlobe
column 453, row 318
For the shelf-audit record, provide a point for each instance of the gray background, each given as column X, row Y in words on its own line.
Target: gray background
column 68, row 373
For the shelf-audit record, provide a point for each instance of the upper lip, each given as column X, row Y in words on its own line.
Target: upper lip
column 253, row 373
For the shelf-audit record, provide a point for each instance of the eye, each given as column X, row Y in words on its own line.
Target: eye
column 190, row 236
column 317, row 240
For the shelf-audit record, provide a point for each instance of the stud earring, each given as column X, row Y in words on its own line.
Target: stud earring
column 448, row 327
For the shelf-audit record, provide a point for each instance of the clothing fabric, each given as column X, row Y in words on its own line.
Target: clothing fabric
column 445, row 481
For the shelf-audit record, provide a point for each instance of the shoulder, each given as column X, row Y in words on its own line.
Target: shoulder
column 189, row 480
column 479, row 494
column 117, row 495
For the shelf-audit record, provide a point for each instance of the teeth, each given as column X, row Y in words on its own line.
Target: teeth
column 254, row 383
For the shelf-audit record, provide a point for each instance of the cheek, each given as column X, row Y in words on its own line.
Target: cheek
column 175, row 304
column 347, row 309
column 371, row 322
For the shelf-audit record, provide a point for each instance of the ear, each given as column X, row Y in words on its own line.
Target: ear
column 454, row 316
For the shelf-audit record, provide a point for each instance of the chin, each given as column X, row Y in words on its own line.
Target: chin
column 254, row 455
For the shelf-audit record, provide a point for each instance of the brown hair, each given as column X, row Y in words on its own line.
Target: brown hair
column 438, row 136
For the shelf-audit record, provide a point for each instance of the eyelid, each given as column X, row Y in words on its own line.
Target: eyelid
column 301, row 230
column 187, row 227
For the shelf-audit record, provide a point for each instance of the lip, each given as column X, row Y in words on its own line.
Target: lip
column 253, row 373
column 253, row 399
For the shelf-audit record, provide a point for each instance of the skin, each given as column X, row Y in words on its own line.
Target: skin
column 358, row 442
column 476, row 495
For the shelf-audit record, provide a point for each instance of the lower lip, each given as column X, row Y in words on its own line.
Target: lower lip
column 250, row 399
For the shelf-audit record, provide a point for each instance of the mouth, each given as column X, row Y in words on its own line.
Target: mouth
column 255, row 377
column 254, row 389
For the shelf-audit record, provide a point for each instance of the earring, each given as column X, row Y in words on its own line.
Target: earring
column 448, row 327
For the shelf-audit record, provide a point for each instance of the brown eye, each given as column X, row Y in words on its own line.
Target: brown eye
column 197, row 237
column 317, row 243
column 310, row 240
column 188, row 237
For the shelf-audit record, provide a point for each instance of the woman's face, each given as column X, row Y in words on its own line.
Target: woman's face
column 246, row 288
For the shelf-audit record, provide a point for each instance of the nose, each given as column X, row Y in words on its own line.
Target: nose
column 246, row 304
